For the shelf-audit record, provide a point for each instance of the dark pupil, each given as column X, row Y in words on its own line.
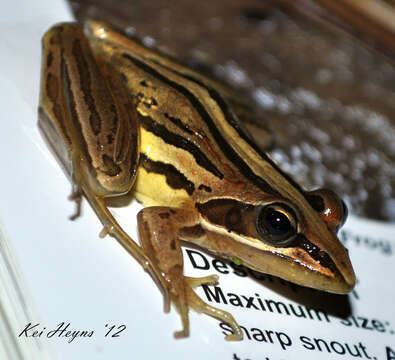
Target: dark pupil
column 276, row 223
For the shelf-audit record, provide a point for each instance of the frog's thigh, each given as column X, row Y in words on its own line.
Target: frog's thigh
column 159, row 229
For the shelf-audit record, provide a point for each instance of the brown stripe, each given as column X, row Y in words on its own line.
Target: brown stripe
column 70, row 101
column 177, row 122
column 86, row 86
column 228, row 150
column 230, row 214
column 180, row 142
column 174, row 178
column 52, row 88
column 234, row 122
column 316, row 253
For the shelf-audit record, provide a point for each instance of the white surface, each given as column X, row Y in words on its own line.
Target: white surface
column 77, row 278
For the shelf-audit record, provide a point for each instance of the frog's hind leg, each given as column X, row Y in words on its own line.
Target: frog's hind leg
column 159, row 229
column 90, row 122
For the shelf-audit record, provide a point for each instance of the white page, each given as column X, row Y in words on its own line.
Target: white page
column 77, row 278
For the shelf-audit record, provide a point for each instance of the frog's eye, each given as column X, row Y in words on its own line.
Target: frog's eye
column 276, row 224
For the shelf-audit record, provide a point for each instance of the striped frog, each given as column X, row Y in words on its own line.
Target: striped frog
column 124, row 121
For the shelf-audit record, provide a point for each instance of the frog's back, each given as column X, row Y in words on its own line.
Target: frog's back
column 192, row 145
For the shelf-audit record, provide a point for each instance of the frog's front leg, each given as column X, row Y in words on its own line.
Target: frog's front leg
column 159, row 229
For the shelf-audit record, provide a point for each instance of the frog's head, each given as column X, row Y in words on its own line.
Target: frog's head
column 294, row 238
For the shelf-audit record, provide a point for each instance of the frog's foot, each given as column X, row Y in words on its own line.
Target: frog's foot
column 76, row 196
column 193, row 301
column 197, row 304
column 183, row 310
column 182, row 304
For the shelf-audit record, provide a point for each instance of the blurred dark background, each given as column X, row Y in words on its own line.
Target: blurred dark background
column 322, row 77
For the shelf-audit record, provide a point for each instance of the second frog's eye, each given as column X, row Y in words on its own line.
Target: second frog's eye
column 276, row 224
